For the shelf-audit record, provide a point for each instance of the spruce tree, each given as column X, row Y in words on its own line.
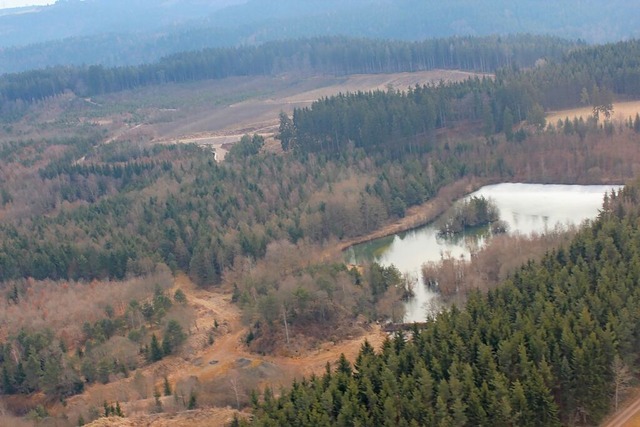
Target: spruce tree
column 193, row 401
column 19, row 376
column 7, row 382
column 155, row 351
column 33, row 373
column 167, row 387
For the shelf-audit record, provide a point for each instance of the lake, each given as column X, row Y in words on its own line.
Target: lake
column 527, row 208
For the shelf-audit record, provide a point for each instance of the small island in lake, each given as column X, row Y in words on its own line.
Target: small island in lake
column 476, row 211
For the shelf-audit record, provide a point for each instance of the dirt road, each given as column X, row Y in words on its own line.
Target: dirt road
column 626, row 417
column 229, row 348
column 211, row 365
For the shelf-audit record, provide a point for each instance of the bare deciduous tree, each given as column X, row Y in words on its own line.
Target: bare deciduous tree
column 621, row 379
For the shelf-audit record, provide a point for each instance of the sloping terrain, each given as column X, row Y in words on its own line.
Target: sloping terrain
column 83, row 32
column 212, row 113
column 219, row 112
column 219, row 369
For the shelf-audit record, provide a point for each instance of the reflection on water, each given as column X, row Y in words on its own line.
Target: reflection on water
column 526, row 208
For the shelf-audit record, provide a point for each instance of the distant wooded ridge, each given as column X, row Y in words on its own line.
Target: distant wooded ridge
column 116, row 33
column 334, row 55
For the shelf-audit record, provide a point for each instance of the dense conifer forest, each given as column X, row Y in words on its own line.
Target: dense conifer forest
column 588, row 76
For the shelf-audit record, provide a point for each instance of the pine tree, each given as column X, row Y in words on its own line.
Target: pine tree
column 33, row 373
column 118, row 410
column 166, row 347
column 518, row 403
column 51, row 376
column 344, row 366
column 20, row 376
column 507, row 124
column 155, row 351
column 193, row 401
column 458, row 411
column 286, row 131
column 167, row 387
column 7, row 382
column 13, row 294
column 174, row 336
column 180, row 297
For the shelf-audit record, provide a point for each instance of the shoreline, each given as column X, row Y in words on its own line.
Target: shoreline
column 417, row 216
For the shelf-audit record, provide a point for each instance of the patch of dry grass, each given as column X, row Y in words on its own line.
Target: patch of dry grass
column 621, row 112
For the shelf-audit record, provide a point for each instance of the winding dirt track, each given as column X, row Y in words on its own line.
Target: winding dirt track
column 229, row 348
column 215, row 362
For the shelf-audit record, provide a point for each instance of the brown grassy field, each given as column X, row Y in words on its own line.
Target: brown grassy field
column 215, row 113
column 210, row 113
column 621, row 112
column 214, row 417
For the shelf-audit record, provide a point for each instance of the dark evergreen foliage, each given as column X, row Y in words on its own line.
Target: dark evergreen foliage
column 393, row 120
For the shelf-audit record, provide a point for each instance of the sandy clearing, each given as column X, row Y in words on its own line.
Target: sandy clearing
column 214, row 417
column 262, row 112
column 628, row 414
column 368, row 82
column 230, row 347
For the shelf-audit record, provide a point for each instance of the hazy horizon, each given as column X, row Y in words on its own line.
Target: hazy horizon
column 8, row 4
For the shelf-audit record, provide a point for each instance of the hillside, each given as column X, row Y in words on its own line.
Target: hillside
column 112, row 33
column 73, row 18
column 337, row 56
column 143, row 274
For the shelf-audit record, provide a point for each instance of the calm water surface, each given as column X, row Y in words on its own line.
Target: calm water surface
column 527, row 208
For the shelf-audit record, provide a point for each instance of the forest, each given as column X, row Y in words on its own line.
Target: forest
column 549, row 346
column 589, row 76
column 89, row 221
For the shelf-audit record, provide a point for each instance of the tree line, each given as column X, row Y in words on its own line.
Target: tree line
column 587, row 76
column 577, row 78
column 335, row 55
column 259, row 21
